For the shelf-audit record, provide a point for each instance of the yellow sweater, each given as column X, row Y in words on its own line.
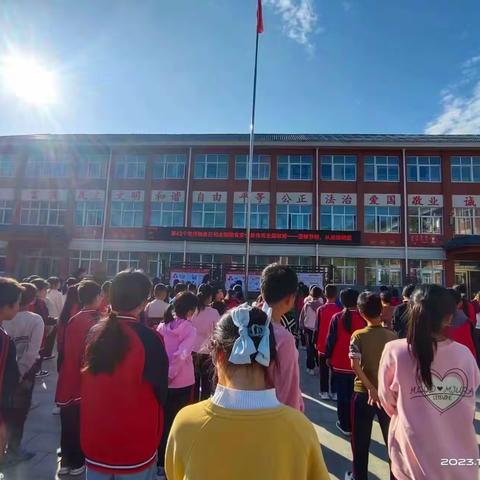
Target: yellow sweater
column 208, row 442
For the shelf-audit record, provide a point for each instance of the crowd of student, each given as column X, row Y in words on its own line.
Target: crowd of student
column 190, row 384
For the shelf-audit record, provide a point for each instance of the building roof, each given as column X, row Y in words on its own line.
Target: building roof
column 261, row 139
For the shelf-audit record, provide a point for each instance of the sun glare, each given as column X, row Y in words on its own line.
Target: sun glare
column 28, row 80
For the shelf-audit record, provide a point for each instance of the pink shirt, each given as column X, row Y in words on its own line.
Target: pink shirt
column 284, row 373
column 428, row 426
column 204, row 322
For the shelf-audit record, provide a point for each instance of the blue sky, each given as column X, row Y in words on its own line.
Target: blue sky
column 171, row 66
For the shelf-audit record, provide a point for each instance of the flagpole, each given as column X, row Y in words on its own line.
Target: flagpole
column 250, row 168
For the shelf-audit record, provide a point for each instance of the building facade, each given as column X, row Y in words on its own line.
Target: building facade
column 382, row 209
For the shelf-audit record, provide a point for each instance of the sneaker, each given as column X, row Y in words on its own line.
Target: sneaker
column 56, row 411
column 349, row 476
column 77, row 471
column 49, row 357
column 333, row 396
column 345, row 432
column 42, row 374
column 63, row 471
column 324, row 396
column 161, row 473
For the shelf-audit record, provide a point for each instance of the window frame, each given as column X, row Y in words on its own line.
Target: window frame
column 7, row 166
column 86, row 208
column 162, row 163
column 255, row 215
column 260, row 162
column 419, row 165
column 473, row 218
column 120, row 207
column 473, row 170
column 204, row 212
column 328, row 162
column 203, row 161
column 290, row 214
column 373, row 161
column 383, row 265
column 420, row 223
column 40, row 166
column 134, row 161
column 334, row 213
column 164, row 209
column 389, row 219
column 287, row 163
column 39, row 208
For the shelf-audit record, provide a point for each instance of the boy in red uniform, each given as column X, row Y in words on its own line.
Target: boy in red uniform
column 324, row 316
column 68, row 386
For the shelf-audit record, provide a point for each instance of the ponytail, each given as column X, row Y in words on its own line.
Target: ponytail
column 347, row 320
column 205, row 292
column 348, row 297
column 168, row 316
column 108, row 347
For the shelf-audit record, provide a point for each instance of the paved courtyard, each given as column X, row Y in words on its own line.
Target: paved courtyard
column 42, row 434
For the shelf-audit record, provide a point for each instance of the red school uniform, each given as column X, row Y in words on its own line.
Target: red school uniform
column 324, row 316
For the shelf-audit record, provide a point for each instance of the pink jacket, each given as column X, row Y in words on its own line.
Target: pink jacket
column 428, row 426
column 205, row 322
column 179, row 337
column 284, row 372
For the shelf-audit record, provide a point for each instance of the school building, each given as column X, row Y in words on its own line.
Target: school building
column 382, row 209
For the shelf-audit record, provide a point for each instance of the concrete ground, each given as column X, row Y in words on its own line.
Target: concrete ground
column 42, row 434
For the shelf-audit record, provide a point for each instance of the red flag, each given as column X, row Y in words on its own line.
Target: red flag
column 259, row 17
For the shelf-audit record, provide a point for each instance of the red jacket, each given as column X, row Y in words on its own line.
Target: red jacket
column 461, row 331
column 338, row 341
column 75, row 337
column 61, row 333
column 121, row 414
column 324, row 316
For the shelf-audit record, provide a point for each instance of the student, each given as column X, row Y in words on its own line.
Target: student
column 231, row 300
column 55, row 297
column 308, row 319
column 427, row 426
column 179, row 335
column 467, row 305
column 243, row 431
column 178, row 289
column 10, row 292
column 279, row 287
column 123, row 387
column 324, row 317
column 70, row 308
column 155, row 310
column 105, row 303
column 387, row 309
column 219, row 301
column 341, row 327
column 400, row 315
column 26, row 330
column 366, row 347
column 204, row 320
column 68, row 395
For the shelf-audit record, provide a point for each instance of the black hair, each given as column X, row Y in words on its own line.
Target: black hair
column 204, row 295
column 316, row 291
column 277, row 282
column 429, row 305
column 394, row 292
column 28, row 295
column 10, row 291
column 109, row 345
column 184, row 302
column 461, row 290
column 192, row 288
column 40, row 283
column 348, row 297
column 369, row 304
column 106, row 287
column 179, row 288
column 331, row 291
column 71, row 301
column 226, row 332
column 53, row 281
column 88, row 291
column 408, row 290
column 386, row 297
column 384, row 288
column 160, row 288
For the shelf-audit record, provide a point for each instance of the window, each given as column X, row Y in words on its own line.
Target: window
column 42, row 212
column 169, row 166
column 339, row 167
column 259, row 215
column 119, row 261
column 7, row 166
column 294, row 217
column 158, row 264
column 167, row 214
column 465, row 169
column 298, row 261
column 93, row 166
column 257, row 260
column 85, row 259
column 131, row 167
column 204, row 258
column 43, row 167
column 211, row 166
column 89, row 213
column 294, row 167
column 382, row 219
column 425, row 220
column 127, row 214
column 467, row 221
column 381, row 169
column 427, row 271
column 260, row 167
column 344, row 270
column 6, row 211
column 423, row 169
column 383, row 272
column 209, row 215
column 338, row 217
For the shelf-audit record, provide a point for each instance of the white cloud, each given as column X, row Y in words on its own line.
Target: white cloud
column 299, row 19
column 461, row 112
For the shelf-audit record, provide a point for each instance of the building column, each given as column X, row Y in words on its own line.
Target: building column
column 450, row 270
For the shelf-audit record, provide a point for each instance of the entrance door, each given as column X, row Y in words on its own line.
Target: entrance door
column 468, row 274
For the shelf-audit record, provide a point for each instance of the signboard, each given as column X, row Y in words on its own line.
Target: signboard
column 310, row 279
column 253, row 280
column 257, row 198
column 425, row 200
column 338, row 198
column 294, row 198
column 466, row 201
column 419, row 239
column 7, row 194
column 128, row 195
column 209, row 197
column 382, row 199
column 89, row 195
column 193, row 276
column 324, row 237
column 44, row 195
column 168, row 196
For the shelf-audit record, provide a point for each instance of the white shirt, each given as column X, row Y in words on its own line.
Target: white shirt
column 156, row 309
column 55, row 303
column 244, row 399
